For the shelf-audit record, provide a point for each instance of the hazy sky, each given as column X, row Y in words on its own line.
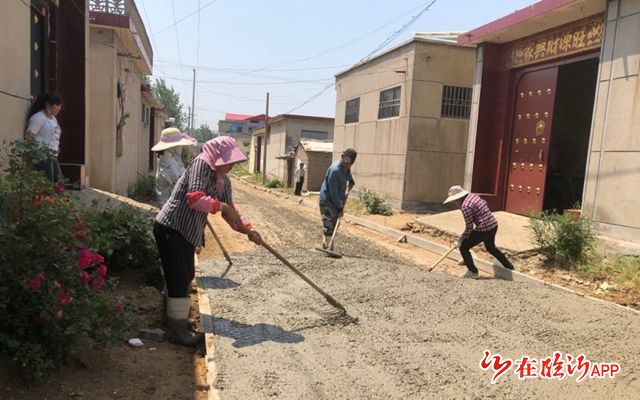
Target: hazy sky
column 290, row 48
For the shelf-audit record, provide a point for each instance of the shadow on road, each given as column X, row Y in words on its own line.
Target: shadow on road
column 249, row 335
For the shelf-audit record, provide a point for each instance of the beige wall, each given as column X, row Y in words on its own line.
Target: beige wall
column 436, row 146
column 612, row 187
column 100, row 169
column 15, row 64
column 381, row 144
column 315, row 165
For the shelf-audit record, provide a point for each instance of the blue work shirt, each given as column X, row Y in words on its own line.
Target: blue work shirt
column 334, row 185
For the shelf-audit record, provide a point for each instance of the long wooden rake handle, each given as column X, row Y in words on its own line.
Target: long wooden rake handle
column 215, row 236
column 442, row 258
column 329, row 299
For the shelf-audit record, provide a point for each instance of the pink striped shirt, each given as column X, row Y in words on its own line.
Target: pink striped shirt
column 476, row 212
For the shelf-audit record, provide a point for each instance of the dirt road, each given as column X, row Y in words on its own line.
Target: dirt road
column 420, row 335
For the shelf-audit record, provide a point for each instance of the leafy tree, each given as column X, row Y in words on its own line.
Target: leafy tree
column 203, row 133
column 170, row 100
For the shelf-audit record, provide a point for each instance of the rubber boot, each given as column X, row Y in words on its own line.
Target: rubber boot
column 177, row 322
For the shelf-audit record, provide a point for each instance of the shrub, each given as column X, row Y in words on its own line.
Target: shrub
column 124, row 235
column 274, row 183
column 143, row 189
column 374, row 203
column 562, row 238
column 52, row 285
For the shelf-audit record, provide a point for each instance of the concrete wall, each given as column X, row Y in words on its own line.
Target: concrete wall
column 612, row 189
column 436, row 149
column 315, row 165
column 15, row 66
column 381, row 144
column 473, row 121
column 100, row 168
column 295, row 127
column 276, row 143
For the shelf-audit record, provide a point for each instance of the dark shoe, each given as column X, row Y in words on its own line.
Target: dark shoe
column 179, row 332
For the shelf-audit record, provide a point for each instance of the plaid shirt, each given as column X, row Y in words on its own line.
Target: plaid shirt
column 476, row 212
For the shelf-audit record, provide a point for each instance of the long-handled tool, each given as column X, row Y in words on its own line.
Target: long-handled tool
column 329, row 252
column 329, row 299
column 442, row 258
column 215, row 236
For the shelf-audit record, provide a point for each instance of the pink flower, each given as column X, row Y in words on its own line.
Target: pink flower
column 59, row 314
column 35, row 284
column 98, row 284
column 39, row 319
column 84, row 277
column 86, row 258
column 65, row 298
column 102, row 271
column 97, row 258
column 59, row 187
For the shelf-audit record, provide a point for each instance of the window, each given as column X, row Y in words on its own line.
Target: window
column 389, row 103
column 352, row 111
column 145, row 116
column 456, row 102
column 318, row 135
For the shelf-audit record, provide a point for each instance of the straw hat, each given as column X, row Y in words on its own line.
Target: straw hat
column 172, row 137
column 455, row 192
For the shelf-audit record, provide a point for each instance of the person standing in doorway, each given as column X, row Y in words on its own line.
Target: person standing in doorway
column 43, row 127
column 204, row 188
column 170, row 166
column 299, row 177
column 480, row 226
column 333, row 192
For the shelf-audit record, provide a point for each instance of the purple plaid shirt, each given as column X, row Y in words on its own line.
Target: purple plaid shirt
column 476, row 212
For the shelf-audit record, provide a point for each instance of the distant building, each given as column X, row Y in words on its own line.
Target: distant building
column 240, row 126
column 316, row 156
column 286, row 130
column 406, row 111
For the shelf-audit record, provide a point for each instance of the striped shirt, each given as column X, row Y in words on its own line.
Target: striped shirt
column 176, row 213
column 476, row 212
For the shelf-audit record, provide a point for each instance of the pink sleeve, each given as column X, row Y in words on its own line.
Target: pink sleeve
column 202, row 202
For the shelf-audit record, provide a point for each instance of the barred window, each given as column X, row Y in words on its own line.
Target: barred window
column 389, row 103
column 456, row 102
column 352, row 111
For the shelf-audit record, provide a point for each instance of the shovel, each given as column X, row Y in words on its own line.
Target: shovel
column 331, row 253
column 442, row 258
column 224, row 251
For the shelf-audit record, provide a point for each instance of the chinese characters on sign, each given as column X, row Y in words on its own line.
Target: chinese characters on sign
column 585, row 35
column 552, row 367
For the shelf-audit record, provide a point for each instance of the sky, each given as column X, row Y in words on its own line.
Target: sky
column 242, row 49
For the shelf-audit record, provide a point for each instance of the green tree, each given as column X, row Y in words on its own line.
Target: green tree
column 170, row 100
column 203, row 133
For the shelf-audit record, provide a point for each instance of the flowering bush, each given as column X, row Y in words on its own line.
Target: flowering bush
column 52, row 285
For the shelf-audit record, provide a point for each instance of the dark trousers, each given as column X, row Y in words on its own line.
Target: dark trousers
column 299, row 184
column 176, row 255
column 329, row 218
column 489, row 239
column 51, row 169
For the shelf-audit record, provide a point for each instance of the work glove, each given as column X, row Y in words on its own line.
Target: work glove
column 255, row 237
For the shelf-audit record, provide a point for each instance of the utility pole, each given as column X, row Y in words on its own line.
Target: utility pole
column 266, row 137
column 193, row 101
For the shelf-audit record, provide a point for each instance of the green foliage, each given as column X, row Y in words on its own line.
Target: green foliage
column 204, row 133
column 170, row 100
column 274, row 183
column 52, row 286
column 143, row 189
column 124, row 235
column 240, row 169
column 374, row 203
column 256, row 178
column 562, row 238
column 624, row 270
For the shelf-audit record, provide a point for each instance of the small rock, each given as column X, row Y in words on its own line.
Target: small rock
column 136, row 342
column 153, row 348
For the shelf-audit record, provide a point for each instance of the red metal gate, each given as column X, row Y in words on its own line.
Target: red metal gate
column 530, row 139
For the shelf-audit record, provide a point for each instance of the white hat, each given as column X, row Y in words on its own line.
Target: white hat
column 455, row 192
column 172, row 137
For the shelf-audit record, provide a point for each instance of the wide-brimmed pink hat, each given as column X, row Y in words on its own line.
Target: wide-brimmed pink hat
column 222, row 150
column 172, row 137
column 455, row 192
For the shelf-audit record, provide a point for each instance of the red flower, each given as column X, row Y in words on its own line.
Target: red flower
column 35, row 284
column 84, row 277
column 86, row 258
column 65, row 298
column 59, row 314
column 40, row 320
column 59, row 187
column 98, row 284
column 102, row 271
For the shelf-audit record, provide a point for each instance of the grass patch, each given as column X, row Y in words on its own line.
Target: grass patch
column 623, row 270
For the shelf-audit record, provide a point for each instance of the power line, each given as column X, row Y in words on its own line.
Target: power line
column 183, row 18
column 384, row 43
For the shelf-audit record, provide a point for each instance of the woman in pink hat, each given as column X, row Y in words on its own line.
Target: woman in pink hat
column 203, row 188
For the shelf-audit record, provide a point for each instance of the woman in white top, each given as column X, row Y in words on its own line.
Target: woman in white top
column 170, row 166
column 44, row 128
